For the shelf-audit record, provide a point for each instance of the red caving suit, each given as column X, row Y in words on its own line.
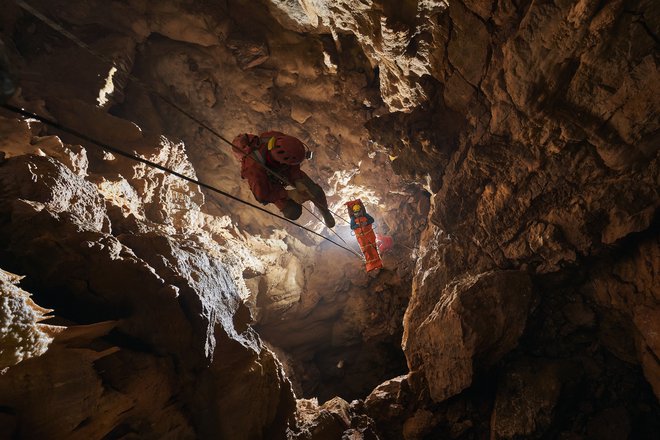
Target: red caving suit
column 266, row 187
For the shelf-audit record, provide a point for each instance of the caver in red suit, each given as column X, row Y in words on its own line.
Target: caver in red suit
column 270, row 162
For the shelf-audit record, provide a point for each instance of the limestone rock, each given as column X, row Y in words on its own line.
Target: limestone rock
column 73, row 157
column 399, row 40
column 21, row 334
column 387, row 399
column 389, row 405
column 47, row 184
column 55, row 228
column 249, row 52
column 476, row 320
column 417, row 426
column 15, row 137
column 327, row 421
column 335, row 419
column 555, row 218
column 468, row 43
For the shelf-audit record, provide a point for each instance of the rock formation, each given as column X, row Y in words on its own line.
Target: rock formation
column 178, row 324
column 510, row 149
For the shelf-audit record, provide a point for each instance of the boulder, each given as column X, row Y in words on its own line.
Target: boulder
column 476, row 320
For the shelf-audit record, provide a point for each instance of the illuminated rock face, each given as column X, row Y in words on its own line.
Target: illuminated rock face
column 177, row 324
column 509, row 149
column 400, row 38
column 21, row 335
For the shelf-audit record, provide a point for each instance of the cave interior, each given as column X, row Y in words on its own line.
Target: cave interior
column 509, row 149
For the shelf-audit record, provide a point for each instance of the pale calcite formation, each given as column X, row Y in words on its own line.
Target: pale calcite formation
column 22, row 336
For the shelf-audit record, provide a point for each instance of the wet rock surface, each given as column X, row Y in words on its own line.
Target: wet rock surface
column 511, row 150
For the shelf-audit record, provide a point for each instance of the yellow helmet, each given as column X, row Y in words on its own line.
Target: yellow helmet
column 356, row 208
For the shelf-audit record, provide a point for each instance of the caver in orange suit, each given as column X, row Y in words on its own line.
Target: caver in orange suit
column 361, row 225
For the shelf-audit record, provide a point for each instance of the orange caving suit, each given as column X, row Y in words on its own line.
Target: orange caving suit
column 367, row 240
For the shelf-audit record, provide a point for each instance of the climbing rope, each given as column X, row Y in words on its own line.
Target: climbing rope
column 60, row 29
column 330, row 229
column 147, row 162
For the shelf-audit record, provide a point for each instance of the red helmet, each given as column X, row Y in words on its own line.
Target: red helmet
column 286, row 149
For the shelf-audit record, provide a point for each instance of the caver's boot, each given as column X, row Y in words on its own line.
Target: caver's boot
column 328, row 219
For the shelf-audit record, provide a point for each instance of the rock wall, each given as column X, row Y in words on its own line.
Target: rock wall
column 150, row 320
column 552, row 175
column 214, row 63
column 510, row 148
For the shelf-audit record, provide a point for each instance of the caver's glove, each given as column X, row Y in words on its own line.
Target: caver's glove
column 249, row 141
column 244, row 145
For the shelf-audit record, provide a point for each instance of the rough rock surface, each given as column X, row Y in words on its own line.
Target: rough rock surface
column 626, row 290
column 476, row 320
column 399, row 38
column 335, row 419
column 180, row 323
column 21, row 335
column 533, row 188
column 526, row 399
